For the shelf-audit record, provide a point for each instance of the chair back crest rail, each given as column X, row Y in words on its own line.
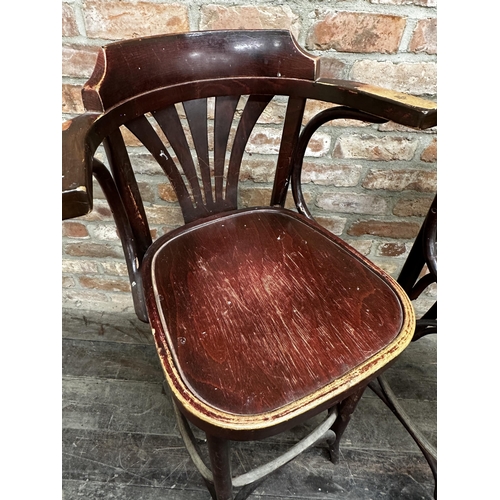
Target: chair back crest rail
column 159, row 88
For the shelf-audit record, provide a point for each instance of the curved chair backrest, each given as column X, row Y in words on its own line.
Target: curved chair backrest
column 162, row 89
column 152, row 75
column 126, row 69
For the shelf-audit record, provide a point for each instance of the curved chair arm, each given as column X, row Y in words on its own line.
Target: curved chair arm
column 404, row 109
column 364, row 102
column 79, row 142
column 338, row 112
column 78, row 146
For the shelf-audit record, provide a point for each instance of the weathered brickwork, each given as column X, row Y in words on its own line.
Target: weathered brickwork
column 369, row 184
column 357, row 32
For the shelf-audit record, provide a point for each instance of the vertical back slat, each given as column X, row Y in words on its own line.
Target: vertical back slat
column 128, row 190
column 170, row 123
column 143, row 130
column 291, row 131
column 225, row 108
column 196, row 114
column 253, row 109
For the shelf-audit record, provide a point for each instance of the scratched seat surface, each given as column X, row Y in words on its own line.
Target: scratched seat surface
column 261, row 308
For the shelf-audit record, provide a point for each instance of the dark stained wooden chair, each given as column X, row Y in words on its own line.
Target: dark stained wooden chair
column 261, row 317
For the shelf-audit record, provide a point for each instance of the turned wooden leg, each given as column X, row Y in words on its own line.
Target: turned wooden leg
column 346, row 409
column 221, row 467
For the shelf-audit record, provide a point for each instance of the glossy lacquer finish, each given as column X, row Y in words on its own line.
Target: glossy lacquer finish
column 188, row 57
column 282, row 309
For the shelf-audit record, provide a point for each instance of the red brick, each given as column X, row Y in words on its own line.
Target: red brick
column 352, row 203
column 267, row 141
column 331, row 67
column 115, row 268
column 330, row 175
column 430, row 152
column 357, row 32
column 215, row 17
column 257, row 170
column 362, row 246
column 79, row 266
column 335, row 225
column 69, row 26
column 274, row 113
column 86, row 299
column 314, row 107
column 385, row 229
column 412, row 207
column 93, row 250
column 414, row 78
column 158, row 214
column 106, row 232
column 110, row 285
column 401, row 180
column 68, row 282
column 425, row 37
column 115, row 20
column 369, row 147
column 389, row 265
column 290, row 202
column 74, row 230
column 166, row 192
column 391, row 249
column 72, row 99
column 255, row 196
column 78, row 60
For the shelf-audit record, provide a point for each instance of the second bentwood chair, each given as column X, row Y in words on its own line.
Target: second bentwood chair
column 261, row 317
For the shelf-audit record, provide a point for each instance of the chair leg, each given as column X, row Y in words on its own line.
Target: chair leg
column 346, row 409
column 221, row 467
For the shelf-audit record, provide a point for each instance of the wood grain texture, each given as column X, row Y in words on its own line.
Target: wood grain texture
column 260, row 310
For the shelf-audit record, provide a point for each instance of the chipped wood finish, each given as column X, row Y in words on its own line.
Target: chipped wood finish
column 288, row 319
column 77, row 165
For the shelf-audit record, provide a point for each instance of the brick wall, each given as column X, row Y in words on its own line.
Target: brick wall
column 369, row 184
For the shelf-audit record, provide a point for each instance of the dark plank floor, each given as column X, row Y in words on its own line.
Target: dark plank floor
column 120, row 440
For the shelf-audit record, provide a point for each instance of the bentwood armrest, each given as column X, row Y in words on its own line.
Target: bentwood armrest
column 405, row 109
column 78, row 147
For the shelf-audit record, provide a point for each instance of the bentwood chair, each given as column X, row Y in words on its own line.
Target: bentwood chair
column 261, row 317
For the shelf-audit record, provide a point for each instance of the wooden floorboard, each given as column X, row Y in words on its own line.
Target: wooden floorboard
column 120, row 439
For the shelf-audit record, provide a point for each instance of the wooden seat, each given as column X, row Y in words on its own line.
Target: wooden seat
column 254, row 305
column 261, row 317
